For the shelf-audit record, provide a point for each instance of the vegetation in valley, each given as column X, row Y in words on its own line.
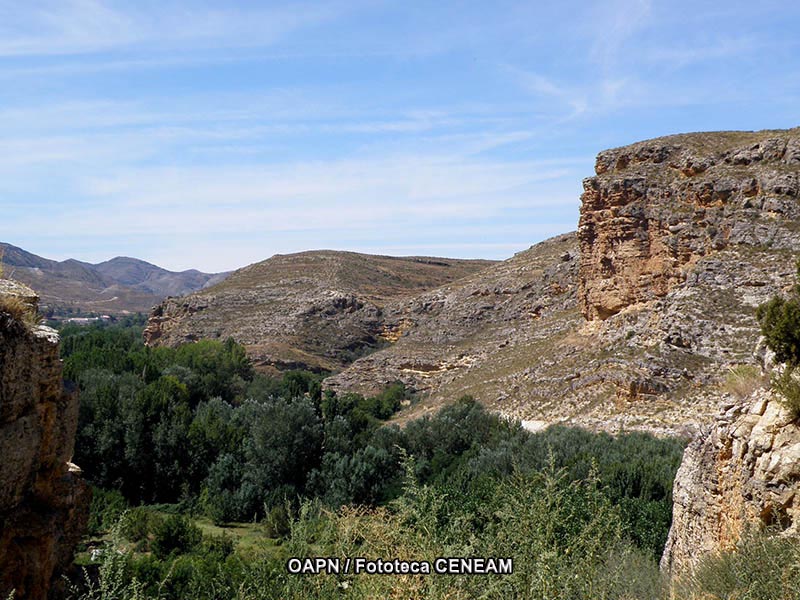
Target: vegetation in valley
column 210, row 475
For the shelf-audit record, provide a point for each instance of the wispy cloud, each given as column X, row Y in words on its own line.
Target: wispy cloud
column 613, row 24
column 571, row 97
column 66, row 27
column 149, row 128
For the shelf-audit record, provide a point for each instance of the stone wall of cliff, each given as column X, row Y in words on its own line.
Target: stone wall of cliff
column 43, row 500
column 655, row 208
column 680, row 239
column 743, row 471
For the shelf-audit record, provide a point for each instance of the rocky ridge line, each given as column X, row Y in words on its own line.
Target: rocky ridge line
column 680, row 238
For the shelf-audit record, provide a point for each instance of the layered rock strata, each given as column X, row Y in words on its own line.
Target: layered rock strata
column 742, row 472
column 43, row 499
column 655, row 208
column 630, row 324
column 680, row 239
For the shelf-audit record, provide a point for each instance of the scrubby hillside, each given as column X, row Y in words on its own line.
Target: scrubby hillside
column 319, row 310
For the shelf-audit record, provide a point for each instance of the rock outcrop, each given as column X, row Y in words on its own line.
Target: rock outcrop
column 680, row 239
column 43, row 500
column 655, row 208
column 630, row 324
column 743, row 471
column 316, row 310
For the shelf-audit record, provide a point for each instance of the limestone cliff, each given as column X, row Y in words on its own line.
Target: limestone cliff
column 680, row 238
column 655, row 208
column 43, row 500
column 745, row 470
column 630, row 324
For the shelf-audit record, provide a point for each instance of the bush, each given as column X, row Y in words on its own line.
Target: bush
column 176, row 534
column 218, row 546
column 761, row 567
column 787, row 384
column 278, row 521
column 780, row 324
column 742, row 380
column 105, row 510
column 19, row 310
column 136, row 524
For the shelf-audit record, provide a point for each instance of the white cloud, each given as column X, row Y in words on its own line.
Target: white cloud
column 418, row 199
column 613, row 23
column 68, row 27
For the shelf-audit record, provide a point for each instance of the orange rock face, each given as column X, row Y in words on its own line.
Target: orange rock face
column 656, row 207
column 43, row 499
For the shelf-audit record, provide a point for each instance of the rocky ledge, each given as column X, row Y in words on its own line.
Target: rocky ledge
column 655, row 208
column 43, row 499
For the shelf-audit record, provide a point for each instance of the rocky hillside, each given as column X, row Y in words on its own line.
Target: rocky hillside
column 629, row 324
column 632, row 323
column 657, row 208
column 481, row 334
column 43, row 500
column 316, row 310
column 119, row 285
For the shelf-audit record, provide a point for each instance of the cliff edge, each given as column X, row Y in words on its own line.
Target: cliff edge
column 742, row 472
column 655, row 208
column 43, row 499
column 633, row 322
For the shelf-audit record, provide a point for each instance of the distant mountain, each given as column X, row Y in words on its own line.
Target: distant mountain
column 315, row 310
column 117, row 286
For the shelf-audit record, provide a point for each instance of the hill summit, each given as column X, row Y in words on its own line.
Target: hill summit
column 317, row 310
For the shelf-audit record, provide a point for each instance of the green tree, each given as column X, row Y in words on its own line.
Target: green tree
column 780, row 324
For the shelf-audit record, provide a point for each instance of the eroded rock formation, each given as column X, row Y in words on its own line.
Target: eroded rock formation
column 43, row 500
column 680, row 239
column 655, row 208
column 628, row 325
column 744, row 471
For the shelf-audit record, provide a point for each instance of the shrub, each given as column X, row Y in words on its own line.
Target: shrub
column 780, row 324
column 742, row 380
column 219, row 546
column 105, row 510
column 137, row 524
column 19, row 310
column 176, row 534
column 761, row 567
column 787, row 384
column 277, row 521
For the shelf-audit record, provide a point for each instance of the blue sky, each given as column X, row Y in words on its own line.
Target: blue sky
column 213, row 135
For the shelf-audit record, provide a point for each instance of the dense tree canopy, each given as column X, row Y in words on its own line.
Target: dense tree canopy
column 198, row 428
